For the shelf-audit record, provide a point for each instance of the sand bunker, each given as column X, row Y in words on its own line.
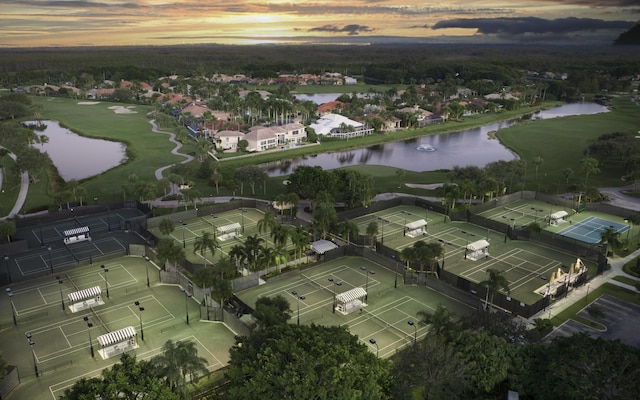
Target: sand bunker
column 88, row 103
column 430, row 186
column 123, row 110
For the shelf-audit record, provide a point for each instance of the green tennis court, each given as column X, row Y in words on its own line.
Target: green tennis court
column 388, row 310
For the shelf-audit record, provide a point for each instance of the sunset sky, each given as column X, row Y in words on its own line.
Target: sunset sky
column 31, row 23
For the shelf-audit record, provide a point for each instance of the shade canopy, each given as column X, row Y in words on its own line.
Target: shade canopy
column 118, row 336
column 416, row 224
column 229, row 228
column 84, row 294
column 559, row 215
column 350, row 295
column 76, row 231
column 322, row 246
column 478, row 245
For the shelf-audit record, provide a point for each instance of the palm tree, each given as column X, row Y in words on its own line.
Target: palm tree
column 372, row 232
column 495, row 282
column 205, row 242
column 252, row 246
column 179, row 359
column 300, row 239
column 267, row 257
column 280, row 234
column 441, row 321
column 589, row 166
column 237, row 252
column 610, row 238
column 268, row 222
column 349, row 229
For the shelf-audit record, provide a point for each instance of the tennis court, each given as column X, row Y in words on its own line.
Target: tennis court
column 187, row 231
column 388, row 310
column 590, row 229
column 523, row 212
column 62, row 339
column 392, row 224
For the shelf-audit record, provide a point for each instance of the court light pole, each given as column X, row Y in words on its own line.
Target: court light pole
column 373, row 342
column 184, row 242
column 50, row 260
column 444, row 250
column 242, row 216
column 33, row 353
column 89, row 326
column 106, row 281
column 187, row 295
column 382, row 222
column 13, row 307
column 366, row 285
column 299, row 298
column 335, row 283
column 395, row 268
column 404, row 224
column 60, row 281
column 146, row 265
column 6, row 264
column 415, row 331
column 140, row 309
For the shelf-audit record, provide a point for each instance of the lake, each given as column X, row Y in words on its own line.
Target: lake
column 78, row 157
column 472, row 147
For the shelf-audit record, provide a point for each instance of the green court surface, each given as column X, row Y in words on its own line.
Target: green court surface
column 387, row 312
column 187, row 231
column 391, row 224
column 523, row 212
column 61, row 349
column 526, row 265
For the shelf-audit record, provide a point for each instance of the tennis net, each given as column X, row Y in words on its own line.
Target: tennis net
column 403, row 335
column 97, row 317
column 316, row 284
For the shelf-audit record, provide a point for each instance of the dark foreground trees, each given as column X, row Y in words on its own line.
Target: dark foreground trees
column 305, row 362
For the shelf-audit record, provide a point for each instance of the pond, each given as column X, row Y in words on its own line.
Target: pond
column 78, row 157
column 472, row 147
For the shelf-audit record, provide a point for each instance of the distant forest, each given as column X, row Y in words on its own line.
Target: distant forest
column 587, row 68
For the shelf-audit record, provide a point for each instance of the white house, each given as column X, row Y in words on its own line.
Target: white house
column 228, row 140
column 261, row 138
column 332, row 125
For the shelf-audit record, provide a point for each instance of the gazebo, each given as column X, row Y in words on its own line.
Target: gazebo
column 228, row 231
column 85, row 298
column 416, row 228
column 117, row 342
column 557, row 217
column 477, row 250
column 322, row 246
column 350, row 301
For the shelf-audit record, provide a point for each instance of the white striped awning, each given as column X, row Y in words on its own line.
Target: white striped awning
column 228, row 228
column 322, row 246
column 84, row 294
column 559, row 214
column 478, row 245
column 118, row 336
column 416, row 224
column 350, row 295
column 76, row 231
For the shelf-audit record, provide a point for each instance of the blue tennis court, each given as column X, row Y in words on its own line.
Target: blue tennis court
column 589, row 230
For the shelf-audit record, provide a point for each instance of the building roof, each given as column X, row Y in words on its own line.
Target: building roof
column 327, row 122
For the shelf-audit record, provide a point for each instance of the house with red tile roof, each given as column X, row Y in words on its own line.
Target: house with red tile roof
column 330, row 107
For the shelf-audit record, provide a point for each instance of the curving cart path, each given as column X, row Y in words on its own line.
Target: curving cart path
column 178, row 146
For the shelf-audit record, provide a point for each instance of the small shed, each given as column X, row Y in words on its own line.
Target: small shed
column 85, row 298
column 117, row 342
column 416, row 228
column 228, row 231
column 477, row 250
column 350, row 301
column 557, row 217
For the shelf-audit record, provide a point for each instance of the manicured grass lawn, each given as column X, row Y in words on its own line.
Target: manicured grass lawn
column 562, row 142
column 147, row 150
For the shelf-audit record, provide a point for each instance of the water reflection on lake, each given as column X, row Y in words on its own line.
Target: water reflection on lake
column 78, row 157
column 472, row 147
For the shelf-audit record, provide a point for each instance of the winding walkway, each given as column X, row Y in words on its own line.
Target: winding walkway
column 178, row 146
